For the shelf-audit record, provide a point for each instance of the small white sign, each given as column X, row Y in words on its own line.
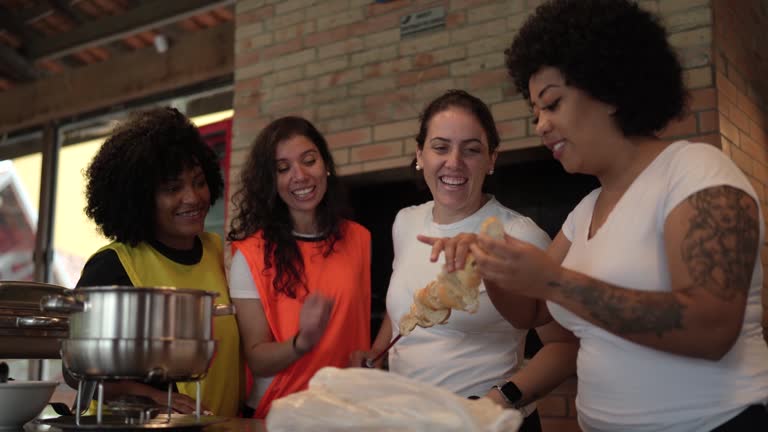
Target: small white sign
column 422, row 21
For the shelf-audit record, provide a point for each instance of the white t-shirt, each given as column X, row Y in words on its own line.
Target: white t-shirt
column 471, row 352
column 628, row 387
column 243, row 287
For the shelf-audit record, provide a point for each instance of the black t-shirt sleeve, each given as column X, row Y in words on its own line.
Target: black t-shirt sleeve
column 104, row 268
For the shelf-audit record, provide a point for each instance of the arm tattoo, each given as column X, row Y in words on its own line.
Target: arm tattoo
column 720, row 246
column 622, row 310
column 719, row 250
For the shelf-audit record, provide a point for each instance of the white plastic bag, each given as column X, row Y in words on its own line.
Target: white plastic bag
column 371, row 400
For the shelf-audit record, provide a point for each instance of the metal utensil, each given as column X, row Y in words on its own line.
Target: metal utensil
column 370, row 363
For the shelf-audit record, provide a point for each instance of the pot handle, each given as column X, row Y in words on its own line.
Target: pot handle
column 60, row 303
column 41, row 322
column 224, row 309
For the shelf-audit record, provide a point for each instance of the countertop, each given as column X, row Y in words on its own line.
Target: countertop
column 232, row 424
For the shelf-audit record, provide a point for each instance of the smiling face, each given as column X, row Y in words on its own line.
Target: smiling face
column 301, row 179
column 181, row 204
column 455, row 159
column 577, row 128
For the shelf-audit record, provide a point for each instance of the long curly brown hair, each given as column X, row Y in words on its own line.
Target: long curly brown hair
column 258, row 207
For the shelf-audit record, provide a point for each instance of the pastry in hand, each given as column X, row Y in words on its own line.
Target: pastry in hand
column 455, row 290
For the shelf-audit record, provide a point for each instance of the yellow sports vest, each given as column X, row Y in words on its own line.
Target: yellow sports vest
column 224, row 385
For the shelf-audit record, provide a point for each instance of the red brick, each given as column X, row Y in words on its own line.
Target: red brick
column 250, row 111
column 512, row 129
column 254, row 15
column 400, row 129
column 423, row 60
column 376, row 151
column 282, row 106
column 742, row 159
column 464, row 4
column 702, row 99
column 708, row 121
column 388, row 98
column 246, row 59
column 415, row 77
column 281, row 49
column 248, row 84
column 387, row 67
column 728, row 129
column 488, row 78
column 727, row 88
column 455, row 19
column 679, row 128
column 339, row 78
column 739, row 119
column 326, row 37
column 382, row 8
column 374, row 25
column 349, row 138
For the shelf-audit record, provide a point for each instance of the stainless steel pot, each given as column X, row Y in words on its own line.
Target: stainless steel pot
column 137, row 332
column 148, row 359
column 25, row 331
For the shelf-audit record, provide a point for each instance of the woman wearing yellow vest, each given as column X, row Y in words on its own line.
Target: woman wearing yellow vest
column 149, row 189
column 300, row 274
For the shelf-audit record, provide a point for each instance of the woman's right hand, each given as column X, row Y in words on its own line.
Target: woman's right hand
column 456, row 249
column 313, row 319
column 359, row 358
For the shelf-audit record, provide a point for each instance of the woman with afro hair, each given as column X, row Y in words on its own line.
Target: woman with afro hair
column 300, row 274
column 148, row 190
column 657, row 272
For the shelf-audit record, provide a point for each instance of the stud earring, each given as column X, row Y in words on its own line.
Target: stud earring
column 418, row 167
column 490, row 172
column 328, row 173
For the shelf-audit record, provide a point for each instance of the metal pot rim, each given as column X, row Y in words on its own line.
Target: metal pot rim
column 129, row 288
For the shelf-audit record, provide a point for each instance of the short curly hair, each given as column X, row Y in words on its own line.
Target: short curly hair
column 613, row 50
column 149, row 148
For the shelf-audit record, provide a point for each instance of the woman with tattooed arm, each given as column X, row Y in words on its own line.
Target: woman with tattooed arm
column 657, row 272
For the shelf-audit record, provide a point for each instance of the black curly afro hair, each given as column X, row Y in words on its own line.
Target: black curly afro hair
column 613, row 50
column 148, row 149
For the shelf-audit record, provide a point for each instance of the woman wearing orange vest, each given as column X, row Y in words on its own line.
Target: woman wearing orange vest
column 149, row 189
column 300, row 274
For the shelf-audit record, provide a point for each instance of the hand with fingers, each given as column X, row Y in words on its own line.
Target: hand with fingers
column 313, row 319
column 514, row 266
column 180, row 403
column 456, row 249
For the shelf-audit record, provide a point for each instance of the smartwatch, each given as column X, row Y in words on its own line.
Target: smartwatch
column 510, row 392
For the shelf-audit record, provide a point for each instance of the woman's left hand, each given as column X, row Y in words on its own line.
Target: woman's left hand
column 514, row 266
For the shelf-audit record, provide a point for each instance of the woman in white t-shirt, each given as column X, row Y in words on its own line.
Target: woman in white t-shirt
column 657, row 272
column 470, row 353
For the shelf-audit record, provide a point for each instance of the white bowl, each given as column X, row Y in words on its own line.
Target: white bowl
column 22, row 401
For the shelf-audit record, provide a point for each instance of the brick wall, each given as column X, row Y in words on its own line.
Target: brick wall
column 740, row 53
column 343, row 65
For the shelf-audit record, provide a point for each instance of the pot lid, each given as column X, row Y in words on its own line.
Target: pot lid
column 21, row 295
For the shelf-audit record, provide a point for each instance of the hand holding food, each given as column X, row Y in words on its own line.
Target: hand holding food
column 450, row 290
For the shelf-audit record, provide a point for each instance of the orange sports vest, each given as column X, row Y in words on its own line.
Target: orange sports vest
column 344, row 276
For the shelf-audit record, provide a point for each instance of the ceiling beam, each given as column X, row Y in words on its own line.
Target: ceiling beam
column 196, row 58
column 15, row 66
column 148, row 15
column 64, row 7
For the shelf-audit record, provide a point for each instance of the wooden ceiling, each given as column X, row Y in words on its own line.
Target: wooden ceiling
column 41, row 38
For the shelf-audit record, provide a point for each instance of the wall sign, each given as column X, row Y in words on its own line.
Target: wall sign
column 418, row 22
